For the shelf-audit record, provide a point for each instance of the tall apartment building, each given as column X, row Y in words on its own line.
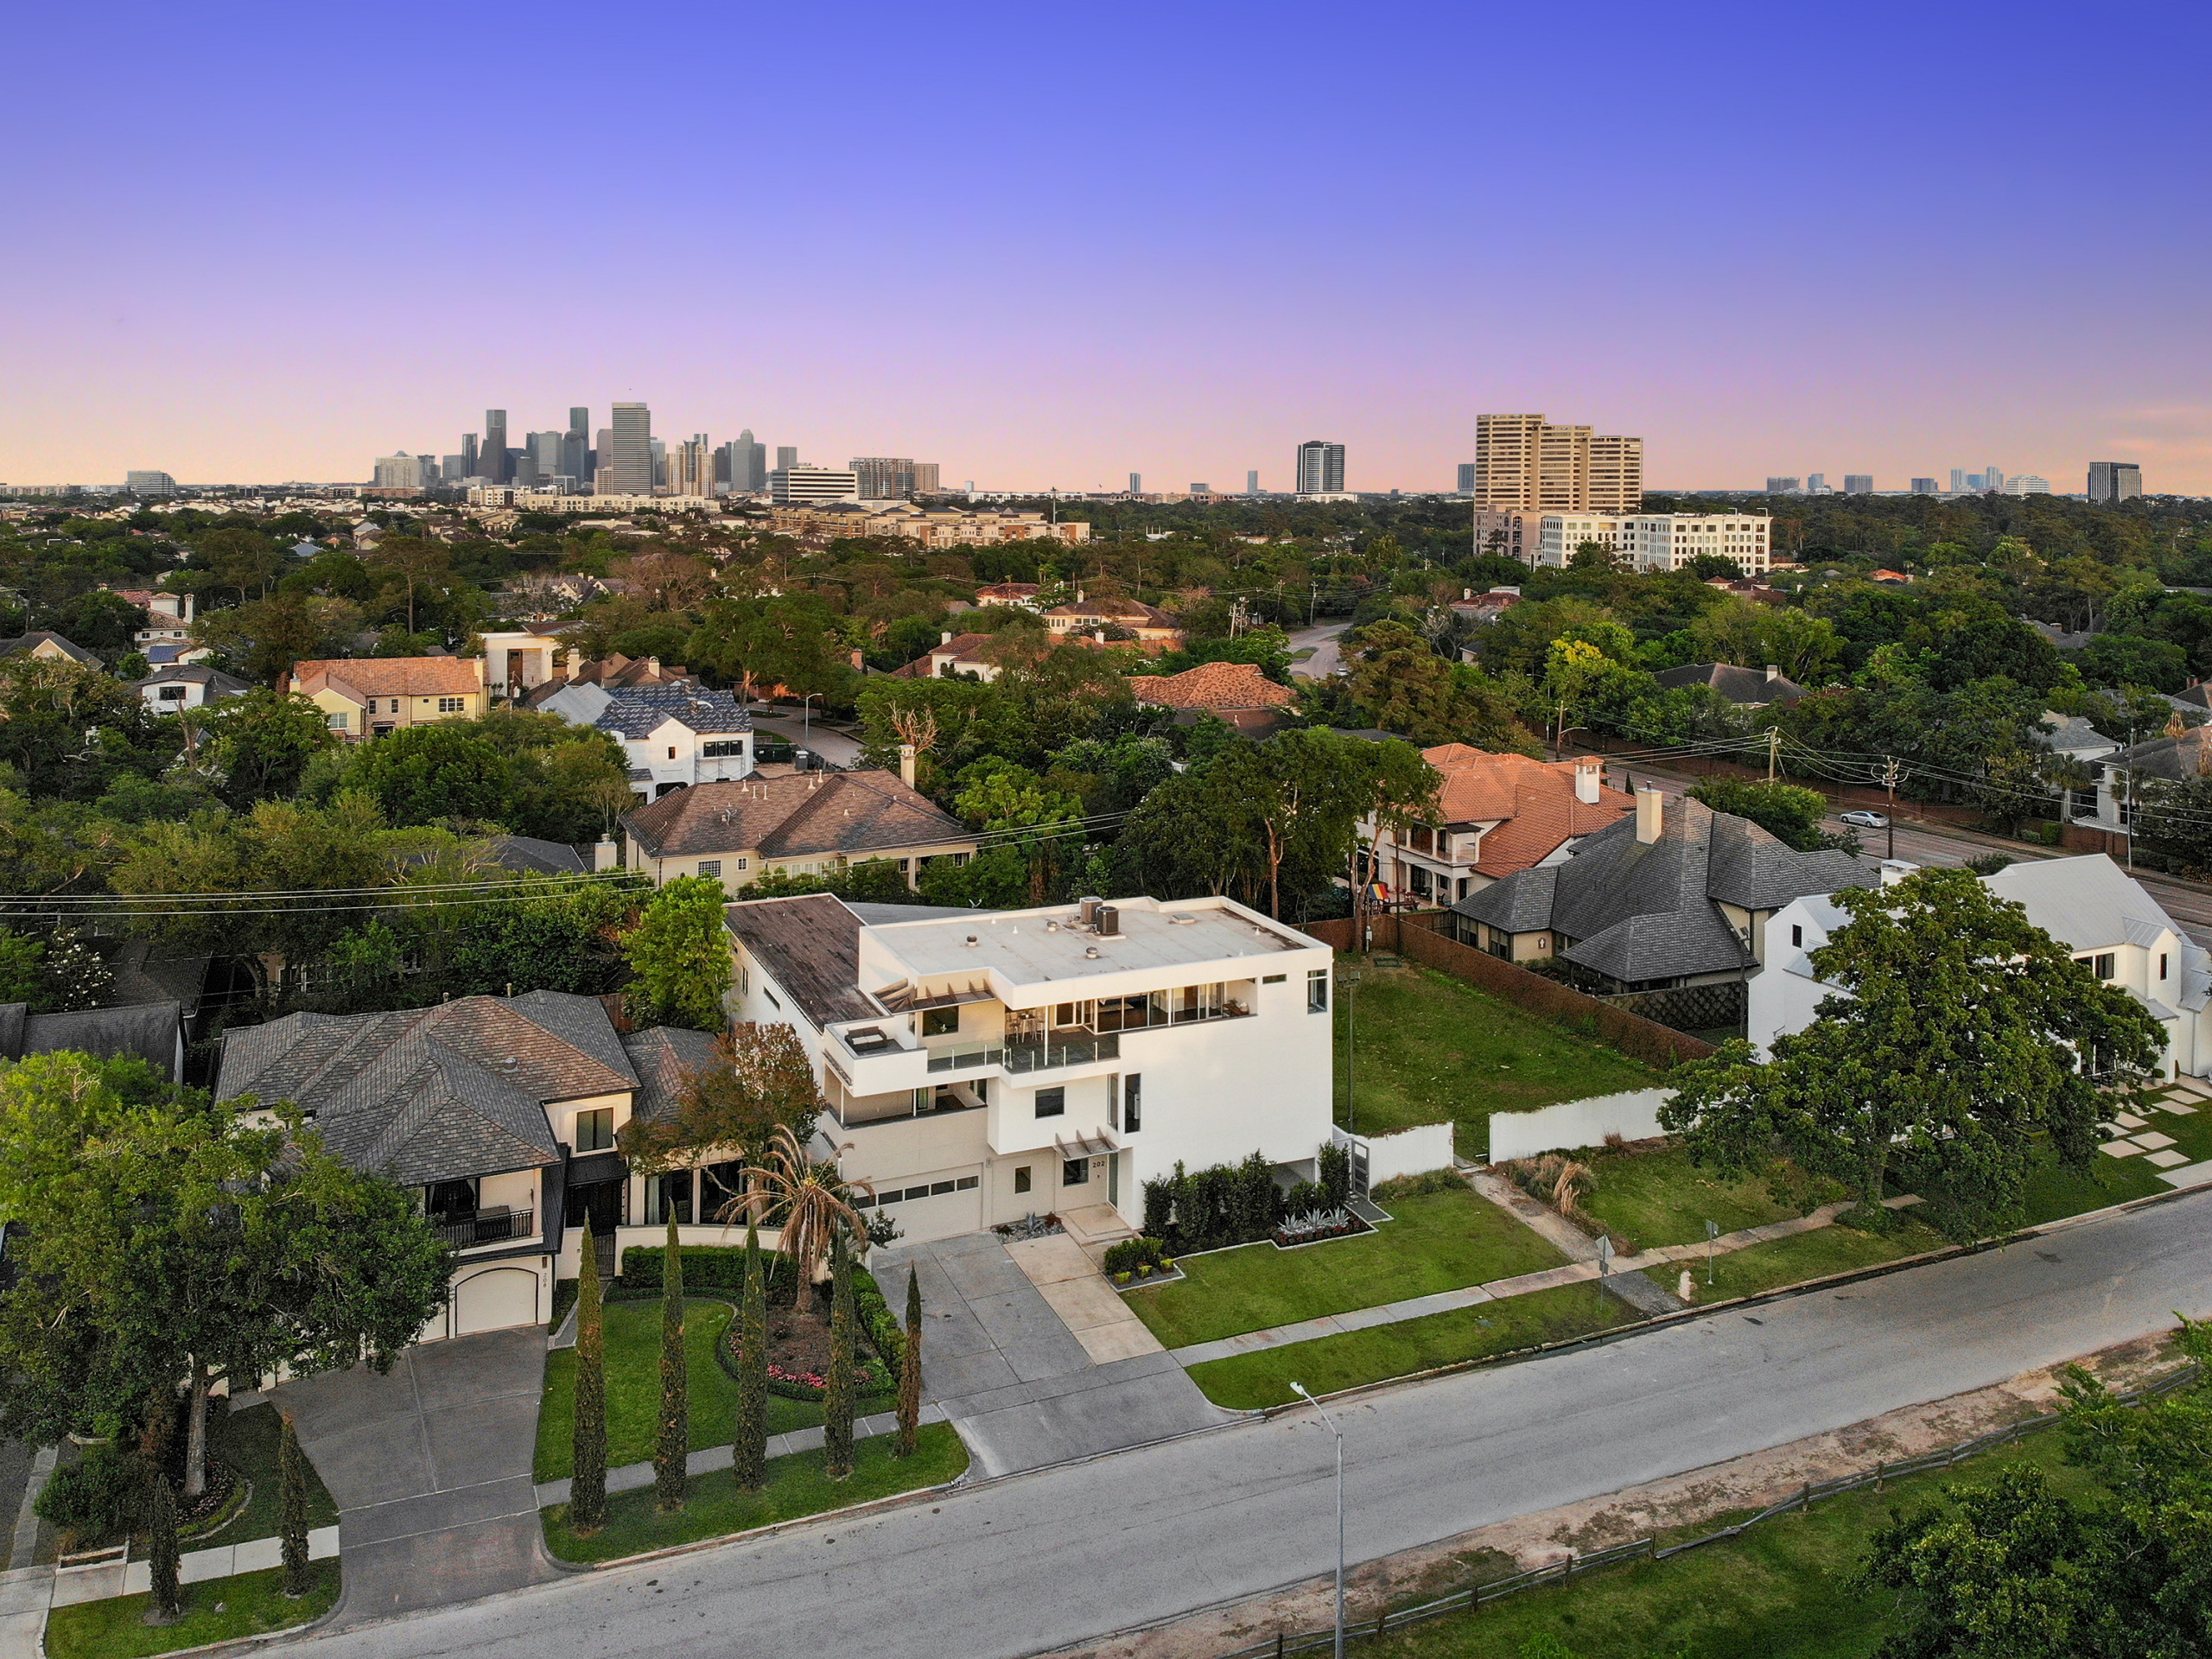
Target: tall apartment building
column 147, row 481
column 626, row 458
column 1858, row 484
column 1664, row 541
column 1469, row 472
column 1923, row 487
column 1777, row 484
column 1958, row 480
column 801, row 483
column 492, row 457
column 691, row 467
column 786, row 457
column 1320, row 467
column 884, row 478
column 1524, row 462
column 1252, row 481
column 1817, row 483
column 928, row 478
column 399, row 472
column 1136, row 483
column 2114, row 480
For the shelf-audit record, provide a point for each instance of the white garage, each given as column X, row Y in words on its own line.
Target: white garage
column 496, row 1300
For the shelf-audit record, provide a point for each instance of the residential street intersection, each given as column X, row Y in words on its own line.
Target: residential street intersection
column 1012, row 1566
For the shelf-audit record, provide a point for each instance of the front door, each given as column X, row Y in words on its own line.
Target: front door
column 597, row 1204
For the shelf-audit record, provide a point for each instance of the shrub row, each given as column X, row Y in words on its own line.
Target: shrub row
column 1129, row 1253
column 1235, row 1203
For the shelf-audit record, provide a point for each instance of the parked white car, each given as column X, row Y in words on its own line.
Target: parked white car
column 1862, row 819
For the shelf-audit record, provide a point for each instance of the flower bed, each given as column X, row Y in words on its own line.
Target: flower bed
column 1317, row 1227
column 799, row 1358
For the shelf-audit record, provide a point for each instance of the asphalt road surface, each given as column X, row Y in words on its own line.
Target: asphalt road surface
column 1326, row 658
column 1039, row 1561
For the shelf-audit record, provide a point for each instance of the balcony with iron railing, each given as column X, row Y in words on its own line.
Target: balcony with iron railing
column 497, row 1226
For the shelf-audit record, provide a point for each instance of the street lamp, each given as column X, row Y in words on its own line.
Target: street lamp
column 806, row 721
column 1298, row 1389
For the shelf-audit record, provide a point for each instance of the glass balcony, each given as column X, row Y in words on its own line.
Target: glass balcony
column 1023, row 1058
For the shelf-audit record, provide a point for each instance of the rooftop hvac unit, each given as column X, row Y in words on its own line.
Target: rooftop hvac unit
column 1090, row 911
column 1110, row 921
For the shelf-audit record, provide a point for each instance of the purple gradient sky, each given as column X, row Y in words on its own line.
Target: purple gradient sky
column 1053, row 245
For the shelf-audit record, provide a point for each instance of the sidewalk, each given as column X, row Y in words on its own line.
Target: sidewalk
column 1446, row 1301
column 632, row 1476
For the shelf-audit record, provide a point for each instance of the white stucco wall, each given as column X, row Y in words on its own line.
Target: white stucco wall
column 1563, row 1127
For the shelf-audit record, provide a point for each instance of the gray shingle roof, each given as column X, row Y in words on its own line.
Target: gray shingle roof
column 435, row 1094
column 811, row 945
column 146, row 1030
column 661, row 1056
column 1744, row 686
column 793, row 816
column 1637, row 911
column 74, row 653
column 639, row 710
column 531, row 856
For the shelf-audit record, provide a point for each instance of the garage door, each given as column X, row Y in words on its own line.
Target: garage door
column 494, row 1301
column 942, row 1206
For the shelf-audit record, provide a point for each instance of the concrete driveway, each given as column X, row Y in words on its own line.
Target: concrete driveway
column 430, row 1466
column 1015, row 1379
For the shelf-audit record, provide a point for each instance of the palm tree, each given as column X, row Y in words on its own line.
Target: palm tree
column 804, row 1199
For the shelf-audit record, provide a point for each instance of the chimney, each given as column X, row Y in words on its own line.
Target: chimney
column 603, row 856
column 1651, row 815
column 1589, row 777
column 1773, row 672
column 945, row 638
column 575, row 663
column 1895, row 870
column 652, row 668
column 907, row 765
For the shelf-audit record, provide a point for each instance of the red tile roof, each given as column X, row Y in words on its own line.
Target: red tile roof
column 388, row 677
column 1531, row 802
column 1212, row 685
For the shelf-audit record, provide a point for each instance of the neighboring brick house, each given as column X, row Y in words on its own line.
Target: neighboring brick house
column 810, row 823
column 1236, row 692
column 369, row 696
column 1499, row 814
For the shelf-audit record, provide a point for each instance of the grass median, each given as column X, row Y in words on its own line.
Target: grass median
column 1376, row 1355
column 1436, row 1240
column 215, row 1610
column 796, row 1487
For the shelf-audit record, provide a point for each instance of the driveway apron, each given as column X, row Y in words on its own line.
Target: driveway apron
column 1011, row 1375
column 430, row 1466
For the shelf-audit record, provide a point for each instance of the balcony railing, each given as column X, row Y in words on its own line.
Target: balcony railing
column 486, row 1227
column 1021, row 1057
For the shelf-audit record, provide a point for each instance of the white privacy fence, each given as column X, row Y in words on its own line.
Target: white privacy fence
column 1633, row 1117
column 1409, row 1152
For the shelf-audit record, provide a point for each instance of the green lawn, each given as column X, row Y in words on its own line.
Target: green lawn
column 1389, row 1351
column 2054, row 1192
column 252, row 1604
column 633, row 1388
column 247, row 1440
column 1781, row 1591
column 1433, row 1049
column 796, row 1487
column 1792, row 1260
column 1651, row 1199
column 1439, row 1241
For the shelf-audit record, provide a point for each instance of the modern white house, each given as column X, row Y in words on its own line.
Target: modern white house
column 2089, row 904
column 982, row 1066
column 675, row 736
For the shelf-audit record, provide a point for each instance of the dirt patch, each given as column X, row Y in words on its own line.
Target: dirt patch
column 1702, row 1497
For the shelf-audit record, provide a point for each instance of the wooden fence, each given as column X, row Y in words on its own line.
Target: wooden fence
column 1417, row 936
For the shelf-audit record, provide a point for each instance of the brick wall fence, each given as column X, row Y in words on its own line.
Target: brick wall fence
column 1416, row 936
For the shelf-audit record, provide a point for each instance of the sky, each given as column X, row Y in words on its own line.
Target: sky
column 1052, row 246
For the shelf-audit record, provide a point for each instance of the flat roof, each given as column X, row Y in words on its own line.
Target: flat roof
column 1030, row 947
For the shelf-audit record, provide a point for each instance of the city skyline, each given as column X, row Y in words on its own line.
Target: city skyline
column 202, row 331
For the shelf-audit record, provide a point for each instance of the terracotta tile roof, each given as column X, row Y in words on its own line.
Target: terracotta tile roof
column 1532, row 803
column 1134, row 612
column 388, row 677
column 1008, row 590
column 851, row 812
column 1212, row 685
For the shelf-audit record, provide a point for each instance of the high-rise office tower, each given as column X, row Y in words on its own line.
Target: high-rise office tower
column 576, row 446
column 493, row 455
column 1252, row 481
column 786, row 457
column 1958, row 480
column 1923, row 487
column 1136, row 483
column 625, row 458
column 548, row 453
column 472, row 465
column 452, row 469
column 1777, row 484
column 1468, row 473
column 1817, row 483
column 1524, row 463
column 150, row 481
column 691, row 467
column 2114, row 480
column 1858, row 484
column 748, row 464
column 1320, row 467
column 660, row 463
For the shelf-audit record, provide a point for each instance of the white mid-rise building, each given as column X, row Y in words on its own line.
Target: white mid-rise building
column 982, row 1066
column 799, row 482
column 1665, row 541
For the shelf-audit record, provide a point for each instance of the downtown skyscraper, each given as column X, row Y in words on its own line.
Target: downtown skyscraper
column 625, row 466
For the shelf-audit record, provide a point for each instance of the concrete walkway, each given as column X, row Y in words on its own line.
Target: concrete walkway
column 1573, row 1273
column 1020, row 1386
column 1625, row 1280
column 1075, row 1287
column 430, row 1465
column 632, row 1476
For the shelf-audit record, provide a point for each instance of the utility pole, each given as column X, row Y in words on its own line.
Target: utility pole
column 2128, row 812
column 1889, row 788
column 1773, row 750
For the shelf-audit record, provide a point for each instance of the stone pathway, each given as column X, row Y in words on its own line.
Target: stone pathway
column 1572, row 1273
column 632, row 1476
column 2128, row 1135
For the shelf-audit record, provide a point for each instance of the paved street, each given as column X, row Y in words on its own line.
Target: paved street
column 1326, row 658
column 1056, row 1557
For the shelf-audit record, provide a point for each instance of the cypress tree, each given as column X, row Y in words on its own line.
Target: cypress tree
column 587, row 1478
column 749, row 1453
column 673, row 1446
column 838, row 1398
column 292, row 1510
column 163, row 1604
column 910, row 1370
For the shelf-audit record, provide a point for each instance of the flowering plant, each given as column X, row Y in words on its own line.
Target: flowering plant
column 810, row 1379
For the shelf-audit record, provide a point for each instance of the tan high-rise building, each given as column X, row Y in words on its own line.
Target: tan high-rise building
column 1523, row 462
column 692, row 467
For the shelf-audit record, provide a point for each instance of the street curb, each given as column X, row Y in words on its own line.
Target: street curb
column 1855, row 1275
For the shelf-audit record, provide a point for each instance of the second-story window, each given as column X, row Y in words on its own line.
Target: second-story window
column 595, row 1129
column 1316, row 991
column 1131, row 1104
column 710, row 866
column 1052, row 1103
column 721, row 751
column 941, row 1022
